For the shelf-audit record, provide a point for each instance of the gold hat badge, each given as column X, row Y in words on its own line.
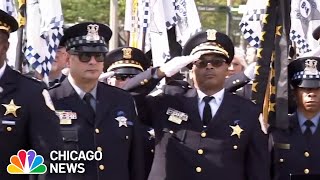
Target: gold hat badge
column 127, row 53
column 92, row 34
column 211, row 34
column 11, row 108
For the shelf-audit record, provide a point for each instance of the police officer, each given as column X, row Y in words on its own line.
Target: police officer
column 93, row 115
column 206, row 133
column 126, row 62
column 28, row 120
column 296, row 148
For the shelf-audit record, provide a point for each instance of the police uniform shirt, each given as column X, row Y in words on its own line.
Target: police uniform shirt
column 302, row 119
column 81, row 93
column 214, row 103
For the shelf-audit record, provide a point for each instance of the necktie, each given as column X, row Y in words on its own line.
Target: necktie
column 87, row 98
column 207, row 114
column 308, row 133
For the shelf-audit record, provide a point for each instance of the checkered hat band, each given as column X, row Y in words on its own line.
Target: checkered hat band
column 82, row 40
column 301, row 75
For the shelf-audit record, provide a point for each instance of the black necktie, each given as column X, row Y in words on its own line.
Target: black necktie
column 308, row 133
column 207, row 114
column 87, row 98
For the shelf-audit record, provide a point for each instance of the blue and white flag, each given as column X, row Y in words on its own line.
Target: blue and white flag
column 43, row 33
column 188, row 21
column 305, row 17
column 250, row 24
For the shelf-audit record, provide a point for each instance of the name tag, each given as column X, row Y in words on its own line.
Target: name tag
column 282, row 145
column 6, row 122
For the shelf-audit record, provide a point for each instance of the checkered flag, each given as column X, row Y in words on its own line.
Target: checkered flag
column 43, row 33
column 172, row 19
column 251, row 22
column 249, row 34
column 300, row 41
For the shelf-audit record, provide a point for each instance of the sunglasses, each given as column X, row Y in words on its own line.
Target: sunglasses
column 123, row 77
column 86, row 57
column 214, row 62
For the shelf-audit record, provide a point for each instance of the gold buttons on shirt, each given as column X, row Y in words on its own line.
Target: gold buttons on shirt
column 97, row 131
column 198, row 169
column 142, row 83
column 145, row 80
column 200, row 151
column 171, row 132
column 203, row 134
column 281, row 160
column 101, row 167
column 306, row 154
column 99, row 149
column 237, row 80
column 306, row 171
column 9, row 129
column 235, row 147
column 152, row 151
column 233, row 82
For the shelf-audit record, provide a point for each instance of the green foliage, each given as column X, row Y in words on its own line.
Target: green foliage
column 98, row 10
column 86, row 10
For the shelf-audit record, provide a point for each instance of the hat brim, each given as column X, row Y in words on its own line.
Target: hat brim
column 127, row 70
column 309, row 83
column 90, row 49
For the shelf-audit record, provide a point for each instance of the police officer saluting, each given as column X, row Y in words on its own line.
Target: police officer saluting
column 127, row 62
column 95, row 116
column 296, row 149
column 205, row 133
column 28, row 120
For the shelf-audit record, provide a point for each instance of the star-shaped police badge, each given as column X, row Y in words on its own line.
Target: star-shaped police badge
column 122, row 121
column 236, row 130
column 11, row 108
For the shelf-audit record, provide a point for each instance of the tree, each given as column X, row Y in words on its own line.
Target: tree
column 98, row 11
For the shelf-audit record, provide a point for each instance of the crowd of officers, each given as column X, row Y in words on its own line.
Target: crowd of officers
column 186, row 132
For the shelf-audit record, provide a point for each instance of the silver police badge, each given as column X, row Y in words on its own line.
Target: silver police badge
column 311, row 67
column 122, row 121
column 92, row 34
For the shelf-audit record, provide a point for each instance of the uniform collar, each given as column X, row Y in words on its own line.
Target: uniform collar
column 2, row 69
column 79, row 91
column 217, row 96
column 302, row 119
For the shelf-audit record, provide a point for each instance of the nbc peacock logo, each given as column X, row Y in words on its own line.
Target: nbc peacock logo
column 26, row 162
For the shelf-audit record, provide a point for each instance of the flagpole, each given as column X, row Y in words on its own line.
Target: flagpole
column 113, row 43
column 22, row 22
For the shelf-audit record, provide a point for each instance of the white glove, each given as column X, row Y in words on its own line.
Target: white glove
column 249, row 71
column 173, row 66
column 105, row 76
column 65, row 71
